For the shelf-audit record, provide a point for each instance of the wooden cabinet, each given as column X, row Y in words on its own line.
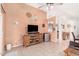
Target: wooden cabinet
column 41, row 37
column 65, row 35
column 26, row 40
column 32, row 38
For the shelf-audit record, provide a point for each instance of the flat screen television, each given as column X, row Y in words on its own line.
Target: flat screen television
column 32, row 28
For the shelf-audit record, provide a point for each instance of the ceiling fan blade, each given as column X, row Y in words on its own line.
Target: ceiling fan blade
column 51, row 4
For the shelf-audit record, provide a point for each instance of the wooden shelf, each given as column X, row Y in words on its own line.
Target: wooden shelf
column 32, row 38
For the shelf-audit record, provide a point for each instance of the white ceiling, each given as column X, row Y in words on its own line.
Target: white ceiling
column 41, row 6
column 69, row 9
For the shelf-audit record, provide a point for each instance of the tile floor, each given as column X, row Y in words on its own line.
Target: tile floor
column 42, row 49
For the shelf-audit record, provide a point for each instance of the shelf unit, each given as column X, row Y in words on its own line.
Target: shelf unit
column 32, row 38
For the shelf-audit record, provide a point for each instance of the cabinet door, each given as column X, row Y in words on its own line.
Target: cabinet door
column 26, row 40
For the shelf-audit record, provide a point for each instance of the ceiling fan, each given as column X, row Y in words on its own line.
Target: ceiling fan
column 49, row 4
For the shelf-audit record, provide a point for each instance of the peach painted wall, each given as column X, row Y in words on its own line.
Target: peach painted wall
column 53, row 34
column 16, row 21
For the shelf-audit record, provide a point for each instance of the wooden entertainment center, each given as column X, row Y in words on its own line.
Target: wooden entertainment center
column 32, row 38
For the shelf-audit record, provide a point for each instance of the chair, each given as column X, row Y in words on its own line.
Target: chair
column 73, row 49
column 75, row 39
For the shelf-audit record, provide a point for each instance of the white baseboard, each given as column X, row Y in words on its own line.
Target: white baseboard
column 17, row 45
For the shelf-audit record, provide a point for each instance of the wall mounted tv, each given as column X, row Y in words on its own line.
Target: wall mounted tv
column 32, row 28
